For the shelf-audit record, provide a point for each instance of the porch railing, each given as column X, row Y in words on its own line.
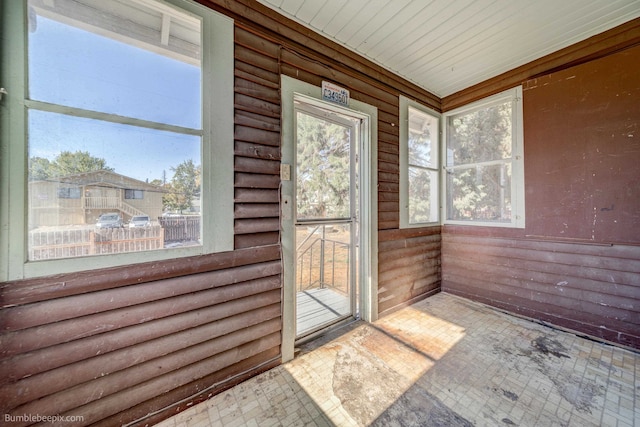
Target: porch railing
column 114, row 202
column 322, row 262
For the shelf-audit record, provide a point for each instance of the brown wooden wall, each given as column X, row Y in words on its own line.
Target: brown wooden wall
column 312, row 59
column 117, row 344
column 577, row 262
column 589, row 288
column 582, row 151
column 409, row 266
column 108, row 345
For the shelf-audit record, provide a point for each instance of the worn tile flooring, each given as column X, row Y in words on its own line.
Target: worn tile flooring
column 444, row 361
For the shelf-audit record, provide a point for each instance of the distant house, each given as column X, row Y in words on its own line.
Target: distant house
column 82, row 198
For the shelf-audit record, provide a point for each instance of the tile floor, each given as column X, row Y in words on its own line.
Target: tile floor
column 444, row 361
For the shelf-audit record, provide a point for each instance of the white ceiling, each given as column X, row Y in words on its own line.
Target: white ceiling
column 445, row 46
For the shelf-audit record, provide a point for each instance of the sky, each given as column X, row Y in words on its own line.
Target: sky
column 70, row 66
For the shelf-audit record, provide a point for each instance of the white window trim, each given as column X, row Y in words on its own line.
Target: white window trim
column 517, row 173
column 217, row 150
column 405, row 103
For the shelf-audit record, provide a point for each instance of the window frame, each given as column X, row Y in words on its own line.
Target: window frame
column 216, row 149
column 514, row 95
column 69, row 193
column 405, row 104
column 133, row 194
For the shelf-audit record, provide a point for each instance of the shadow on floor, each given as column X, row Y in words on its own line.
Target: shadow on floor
column 444, row 361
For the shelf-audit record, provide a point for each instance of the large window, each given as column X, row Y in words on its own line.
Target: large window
column 484, row 162
column 419, row 165
column 118, row 116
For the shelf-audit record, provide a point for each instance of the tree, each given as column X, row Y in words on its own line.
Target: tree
column 420, row 168
column 65, row 163
column 40, row 169
column 480, row 191
column 184, row 187
column 323, row 158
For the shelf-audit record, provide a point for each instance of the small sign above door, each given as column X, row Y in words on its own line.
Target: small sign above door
column 335, row 93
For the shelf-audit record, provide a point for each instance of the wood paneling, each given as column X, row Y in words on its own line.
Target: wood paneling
column 63, row 346
column 160, row 407
column 59, row 354
column 409, row 266
column 274, row 27
column 46, row 288
column 592, row 289
column 582, row 153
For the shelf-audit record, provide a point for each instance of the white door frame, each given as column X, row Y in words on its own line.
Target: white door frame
column 368, row 255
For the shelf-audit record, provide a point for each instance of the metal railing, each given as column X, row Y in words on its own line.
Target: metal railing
column 322, row 262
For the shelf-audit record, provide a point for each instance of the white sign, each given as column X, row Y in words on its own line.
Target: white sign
column 334, row 93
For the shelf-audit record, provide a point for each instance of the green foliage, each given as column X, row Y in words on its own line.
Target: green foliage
column 183, row 188
column 40, row 169
column 420, row 161
column 66, row 163
column 482, row 190
column 420, row 195
column 323, row 175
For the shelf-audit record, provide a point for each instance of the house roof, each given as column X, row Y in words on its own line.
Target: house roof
column 445, row 46
column 109, row 178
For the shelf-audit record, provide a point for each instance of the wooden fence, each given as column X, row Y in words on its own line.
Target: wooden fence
column 180, row 228
column 70, row 243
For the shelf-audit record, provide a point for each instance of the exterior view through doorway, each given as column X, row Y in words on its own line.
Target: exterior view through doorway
column 328, row 213
column 325, row 216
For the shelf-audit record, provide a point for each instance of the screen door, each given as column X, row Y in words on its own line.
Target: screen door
column 326, row 217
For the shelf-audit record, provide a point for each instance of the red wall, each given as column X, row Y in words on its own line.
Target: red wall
column 576, row 264
column 582, row 151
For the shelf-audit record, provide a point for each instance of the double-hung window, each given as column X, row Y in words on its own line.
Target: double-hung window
column 419, row 165
column 118, row 107
column 484, row 162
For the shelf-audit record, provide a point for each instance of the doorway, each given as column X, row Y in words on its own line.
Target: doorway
column 329, row 206
column 325, row 215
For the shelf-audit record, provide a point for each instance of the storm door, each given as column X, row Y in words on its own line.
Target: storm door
column 325, row 216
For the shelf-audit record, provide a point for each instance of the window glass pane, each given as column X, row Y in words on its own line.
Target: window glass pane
column 323, row 173
column 119, row 171
column 133, row 194
column 423, row 139
column 423, row 206
column 117, row 57
column 480, row 193
column 69, row 192
column 480, row 136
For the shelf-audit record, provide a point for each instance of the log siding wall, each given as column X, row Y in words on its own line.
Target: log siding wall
column 409, row 266
column 590, row 288
column 106, row 347
column 138, row 344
